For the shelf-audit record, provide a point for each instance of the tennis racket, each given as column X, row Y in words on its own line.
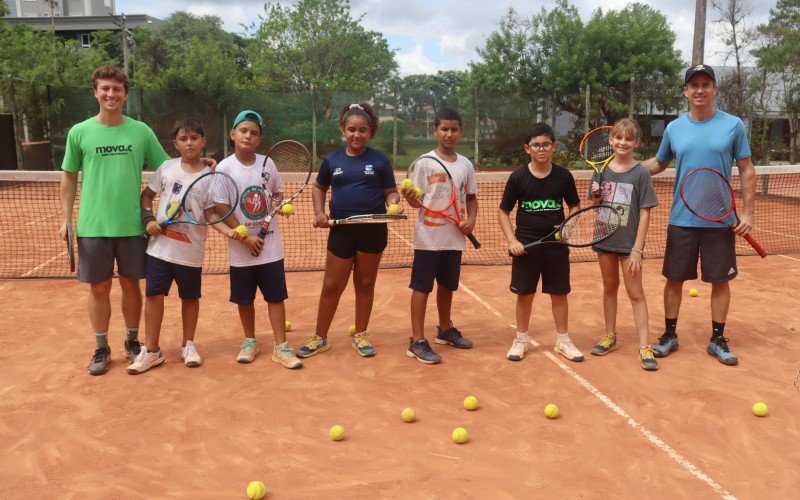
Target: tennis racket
column 70, row 247
column 597, row 152
column 584, row 228
column 368, row 219
column 288, row 156
column 209, row 199
column 439, row 191
column 709, row 196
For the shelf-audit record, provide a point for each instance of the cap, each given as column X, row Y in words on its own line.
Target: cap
column 700, row 68
column 248, row 116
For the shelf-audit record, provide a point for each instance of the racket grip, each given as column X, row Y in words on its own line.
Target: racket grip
column 264, row 227
column 474, row 241
column 756, row 245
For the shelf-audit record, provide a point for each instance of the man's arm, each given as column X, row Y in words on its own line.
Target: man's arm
column 654, row 166
column 747, row 173
column 67, row 190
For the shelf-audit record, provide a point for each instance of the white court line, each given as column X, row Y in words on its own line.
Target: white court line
column 787, row 257
column 30, row 272
column 649, row 435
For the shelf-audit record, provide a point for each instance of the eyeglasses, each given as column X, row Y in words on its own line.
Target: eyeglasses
column 540, row 146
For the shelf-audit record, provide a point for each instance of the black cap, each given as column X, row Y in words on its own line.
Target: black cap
column 700, row 68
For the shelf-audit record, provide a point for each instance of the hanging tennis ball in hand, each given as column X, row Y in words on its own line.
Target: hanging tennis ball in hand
column 288, row 326
column 407, row 184
column 242, row 232
column 352, row 330
column 256, row 490
column 418, row 192
column 287, row 209
column 394, row 208
column 337, row 432
column 693, row 292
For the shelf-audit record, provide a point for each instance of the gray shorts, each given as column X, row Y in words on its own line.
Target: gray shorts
column 96, row 258
column 714, row 247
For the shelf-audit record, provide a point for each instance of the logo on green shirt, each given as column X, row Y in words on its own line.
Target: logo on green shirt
column 113, row 150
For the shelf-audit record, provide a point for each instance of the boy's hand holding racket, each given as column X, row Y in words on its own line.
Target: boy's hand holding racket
column 153, row 228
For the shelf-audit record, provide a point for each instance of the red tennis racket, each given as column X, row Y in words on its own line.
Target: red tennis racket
column 596, row 150
column 439, row 191
column 709, row 196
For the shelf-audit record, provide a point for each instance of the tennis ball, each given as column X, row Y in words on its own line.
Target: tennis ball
column 288, row 326
column 394, row 208
column 418, row 192
column 460, row 435
column 551, row 411
column 693, row 292
column 557, row 236
column 407, row 184
column 471, row 403
column 287, row 209
column 760, row 409
column 337, row 432
column 242, row 231
column 352, row 330
column 408, row 415
column 256, row 490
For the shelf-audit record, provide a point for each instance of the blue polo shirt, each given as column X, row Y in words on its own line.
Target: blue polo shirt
column 357, row 182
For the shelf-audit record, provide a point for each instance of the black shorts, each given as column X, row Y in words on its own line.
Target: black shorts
column 344, row 241
column 161, row 273
column 270, row 278
column 442, row 265
column 551, row 262
column 715, row 247
column 96, row 258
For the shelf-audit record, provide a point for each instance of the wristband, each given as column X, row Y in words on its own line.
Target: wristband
column 148, row 219
column 640, row 252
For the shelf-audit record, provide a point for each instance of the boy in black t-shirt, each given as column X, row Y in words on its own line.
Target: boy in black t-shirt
column 538, row 191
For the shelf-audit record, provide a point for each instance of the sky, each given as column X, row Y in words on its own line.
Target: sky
column 432, row 35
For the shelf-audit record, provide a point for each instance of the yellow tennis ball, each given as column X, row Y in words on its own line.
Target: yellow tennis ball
column 288, row 326
column 256, row 490
column 242, row 231
column 460, row 435
column 471, row 403
column 287, row 209
column 394, row 208
column 337, row 432
column 408, row 415
column 760, row 409
column 352, row 330
column 693, row 292
column 418, row 192
column 551, row 411
column 407, row 184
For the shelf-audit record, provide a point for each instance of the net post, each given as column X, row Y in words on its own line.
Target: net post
column 15, row 123
column 476, row 159
column 313, row 125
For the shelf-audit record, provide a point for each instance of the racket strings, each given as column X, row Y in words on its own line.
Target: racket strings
column 707, row 195
column 597, row 147
column 590, row 226
column 211, row 198
column 290, row 156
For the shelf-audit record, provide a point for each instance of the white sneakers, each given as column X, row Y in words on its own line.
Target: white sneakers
column 189, row 354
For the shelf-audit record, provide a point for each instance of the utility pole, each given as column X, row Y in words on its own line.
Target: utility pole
column 120, row 21
column 698, row 48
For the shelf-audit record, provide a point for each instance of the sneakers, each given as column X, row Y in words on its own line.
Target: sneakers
column 248, row 352
column 315, row 345
column 567, row 349
column 100, row 360
column 607, row 344
column 189, row 354
column 145, row 360
column 718, row 347
column 421, row 350
column 132, row 349
column 647, row 358
column 666, row 344
column 284, row 355
column 452, row 337
column 519, row 348
column 362, row 345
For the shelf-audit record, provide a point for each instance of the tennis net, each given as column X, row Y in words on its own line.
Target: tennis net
column 30, row 218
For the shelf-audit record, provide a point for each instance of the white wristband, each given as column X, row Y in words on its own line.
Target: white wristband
column 640, row 252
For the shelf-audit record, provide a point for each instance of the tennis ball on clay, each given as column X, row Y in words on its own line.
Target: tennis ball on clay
column 460, row 435
column 407, row 184
column 408, row 415
column 418, row 192
column 394, row 208
column 352, row 330
column 470, row 403
column 693, row 292
column 760, row 409
column 337, row 432
column 287, row 209
column 288, row 326
column 242, row 230
column 551, row 411
column 256, row 490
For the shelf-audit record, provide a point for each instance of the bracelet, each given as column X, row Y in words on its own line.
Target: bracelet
column 640, row 252
column 148, row 219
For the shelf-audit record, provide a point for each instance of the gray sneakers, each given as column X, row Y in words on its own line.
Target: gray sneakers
column 421, row 350
column 100, row 360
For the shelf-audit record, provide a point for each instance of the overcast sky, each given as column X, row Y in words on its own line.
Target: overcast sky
column 429, row 35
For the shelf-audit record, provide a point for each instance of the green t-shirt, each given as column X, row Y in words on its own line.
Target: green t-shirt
column 111, row 159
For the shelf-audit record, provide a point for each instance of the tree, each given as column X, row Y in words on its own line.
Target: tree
column 318, row 43
column 4, row 9
column 732, row 15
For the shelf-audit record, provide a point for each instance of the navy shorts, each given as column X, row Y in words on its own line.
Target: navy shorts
column 714, row 247
column 442, row 265
column 550, row 262
column 161, row 273
column 344, row 241
column 96, row 258
column 270, row 278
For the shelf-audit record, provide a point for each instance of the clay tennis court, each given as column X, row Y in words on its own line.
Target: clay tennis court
column 686, row 430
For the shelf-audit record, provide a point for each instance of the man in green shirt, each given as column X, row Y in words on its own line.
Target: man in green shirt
column 110, row 150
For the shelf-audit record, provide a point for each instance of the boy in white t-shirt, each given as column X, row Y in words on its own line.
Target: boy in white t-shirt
column 438, row 246
column 174, row 253
column 256, row 263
